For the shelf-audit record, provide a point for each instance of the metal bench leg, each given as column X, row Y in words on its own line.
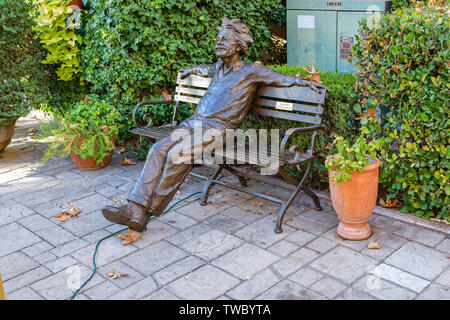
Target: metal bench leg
column 243, row 181
column 208, row 185
column 314, row 197
column 284, row 208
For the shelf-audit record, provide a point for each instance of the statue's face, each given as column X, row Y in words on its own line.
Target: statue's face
column 226, row 45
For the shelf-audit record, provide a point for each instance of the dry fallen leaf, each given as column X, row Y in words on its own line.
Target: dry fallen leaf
column 253, row 204
column 111, row 274
column 122, row 150
column 314, row 74
column 248, row 277
column 371, row 112
column 129, row 238
column 116, row 275
column 373, row 245
column 388, row 203
column 127, row 162
column 67, row 214
column 166, row 95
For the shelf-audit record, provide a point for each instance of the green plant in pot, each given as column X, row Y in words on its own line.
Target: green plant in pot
column 86, row 134
column 23, row 79
column 353, row 179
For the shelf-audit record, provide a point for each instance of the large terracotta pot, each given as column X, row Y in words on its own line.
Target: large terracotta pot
column 89, row 163
column 6, row 134
column 78, row 3
column 354, row 202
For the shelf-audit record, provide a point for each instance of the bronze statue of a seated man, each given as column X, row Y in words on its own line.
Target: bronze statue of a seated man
column 224, row 106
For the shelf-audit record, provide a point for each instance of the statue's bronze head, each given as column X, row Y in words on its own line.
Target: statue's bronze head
column 234, row 36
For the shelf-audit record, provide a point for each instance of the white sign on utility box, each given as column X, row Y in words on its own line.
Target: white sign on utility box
column 306, row 22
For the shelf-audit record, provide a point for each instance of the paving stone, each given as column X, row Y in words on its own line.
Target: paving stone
column 101, row 291
column 84, row 224
column 444, row 278
column 205, row 283
column 91, row 203
column 156, row 231
column 300, row 237
column 32, row 199
column 36, row 222
column 344, row 264
column 69, row 247
column 44, row 257
column 415, row 259
column 355, row 245
column 321, row 245
column 382, row 289
column 354, row 294
column 261, row 233
column 400, row 277
column 166, row 253
column 138, row 290
column 245, row 260
column 306, row 277
column 113, row 181
column 14, row 264
column 60, row 264
column 50, row 209
column 162, row 294
column 415, row 233
column 67, row 175
column 239, row 214
column 189, row 233
column 328, row 287
column 294, row 261
column 379, row 254
column 177, row 269
column 288, row 290
column 322, row 218
column 25, row 279
column 283, row 248
column 37, row 248
column 211, row 244
column 96, row 236
column 224, row 223
column 177, row 220
column 122, row 268
column 14, row 238
column 199, row 212
column 56, row 235
column 63, row 284
column 257, row 284
column 444, row 246
column 23, row 294
column 307, row 225
column 107, row 191
column 13, row 212
column 109, row 250
column 435, row 292
column 391, row 240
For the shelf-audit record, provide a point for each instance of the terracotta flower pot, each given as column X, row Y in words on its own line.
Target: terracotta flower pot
column 6, row 134
column 354, row 202
column 89, row 163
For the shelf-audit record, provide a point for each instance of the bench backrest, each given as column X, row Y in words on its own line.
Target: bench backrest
column 290, row 103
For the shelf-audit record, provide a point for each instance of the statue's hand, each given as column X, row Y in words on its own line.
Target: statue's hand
column 316, row 86
column 184, row 73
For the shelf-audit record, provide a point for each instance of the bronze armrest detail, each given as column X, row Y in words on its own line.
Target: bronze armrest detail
column 295, row 150
column 147, row 118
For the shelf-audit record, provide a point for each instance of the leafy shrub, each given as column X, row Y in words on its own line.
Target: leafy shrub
column 60, row 39
column 88, row 130
column 404, row 71
column 23, row 80
column 133, row 48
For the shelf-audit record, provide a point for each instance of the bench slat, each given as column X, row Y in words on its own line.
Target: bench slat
column 194, row 81
column 195, row 92
column 295, row 106
column 286, row 115
column 295, row 93
column 187, row 99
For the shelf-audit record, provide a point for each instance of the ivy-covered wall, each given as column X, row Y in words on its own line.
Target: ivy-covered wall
column 132, row 48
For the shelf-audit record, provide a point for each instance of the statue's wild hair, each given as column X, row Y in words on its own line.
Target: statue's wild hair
column 242, row 33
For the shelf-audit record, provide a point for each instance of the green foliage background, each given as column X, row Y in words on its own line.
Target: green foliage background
column 23, row 78
column 132, row 48
column 404, row 71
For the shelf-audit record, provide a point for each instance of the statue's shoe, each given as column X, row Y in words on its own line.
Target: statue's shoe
column 119, row 215
column 136, row 219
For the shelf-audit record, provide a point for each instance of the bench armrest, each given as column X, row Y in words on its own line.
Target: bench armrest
column 295, row 150
column 147, row 117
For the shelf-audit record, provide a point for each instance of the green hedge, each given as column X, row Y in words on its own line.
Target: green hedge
column 132, row 48
column 404, row 72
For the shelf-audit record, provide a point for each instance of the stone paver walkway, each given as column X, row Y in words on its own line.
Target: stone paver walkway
column 224, row 250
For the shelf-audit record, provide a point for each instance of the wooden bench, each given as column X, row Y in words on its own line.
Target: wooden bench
column 299, row 104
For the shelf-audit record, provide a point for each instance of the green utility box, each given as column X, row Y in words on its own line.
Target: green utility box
column 324, row 31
